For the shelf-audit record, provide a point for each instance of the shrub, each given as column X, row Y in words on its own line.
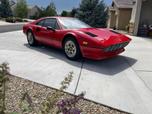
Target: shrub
column 10, row 19
column 49, row 105
column 68, row 106
column 53, row 104
column 14, row 19
column 18, row 19
column 4, row 71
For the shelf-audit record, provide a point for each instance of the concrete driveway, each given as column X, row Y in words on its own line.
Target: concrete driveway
column 123, row 82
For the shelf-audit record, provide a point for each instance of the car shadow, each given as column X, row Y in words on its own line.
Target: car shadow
column 109, row 67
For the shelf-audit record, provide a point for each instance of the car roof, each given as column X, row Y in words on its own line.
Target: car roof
column 57, row 17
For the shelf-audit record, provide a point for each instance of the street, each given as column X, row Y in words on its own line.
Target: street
column 123, row 82
column 10, row 27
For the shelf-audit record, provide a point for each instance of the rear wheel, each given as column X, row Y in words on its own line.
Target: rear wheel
column 71, row 49
column 31, row 39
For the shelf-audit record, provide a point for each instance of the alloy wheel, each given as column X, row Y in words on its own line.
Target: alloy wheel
column 70, row 49
column 30, row 38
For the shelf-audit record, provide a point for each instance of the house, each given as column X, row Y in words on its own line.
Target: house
column 32, row 10
column 120, row 14
column 130, row 14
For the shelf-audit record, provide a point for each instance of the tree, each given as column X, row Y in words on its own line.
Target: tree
column 42, row 12
column 50, row 10
column 74, row 12
column 93, row 13
column 64, row 13
column 21, row 9
column 5, row 9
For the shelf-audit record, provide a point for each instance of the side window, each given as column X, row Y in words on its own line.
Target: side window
column 52, row 23
column 40, row 23
column 57, row 26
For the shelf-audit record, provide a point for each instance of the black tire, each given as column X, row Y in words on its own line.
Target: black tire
column 77, row 53
column 31, row 38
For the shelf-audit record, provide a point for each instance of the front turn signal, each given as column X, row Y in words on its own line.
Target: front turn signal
column 85, row 43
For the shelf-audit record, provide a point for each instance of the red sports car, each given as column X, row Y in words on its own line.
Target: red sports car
column 76, row 38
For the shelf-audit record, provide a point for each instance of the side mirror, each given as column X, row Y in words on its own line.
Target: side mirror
column 50, row 28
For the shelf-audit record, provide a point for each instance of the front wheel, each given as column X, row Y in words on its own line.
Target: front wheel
column 71, row 49
column 31, row 39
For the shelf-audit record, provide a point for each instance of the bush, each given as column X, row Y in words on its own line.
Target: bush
column 10, row 19
column 19, row 19
column 14, row 19
column 4, row 71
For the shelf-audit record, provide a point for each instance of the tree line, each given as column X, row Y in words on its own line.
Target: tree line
column 93, row 12
column 21, row 10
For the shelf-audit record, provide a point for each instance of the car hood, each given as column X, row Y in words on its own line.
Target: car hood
column 106, row 36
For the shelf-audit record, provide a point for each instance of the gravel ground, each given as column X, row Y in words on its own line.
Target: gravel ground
column 17, row 87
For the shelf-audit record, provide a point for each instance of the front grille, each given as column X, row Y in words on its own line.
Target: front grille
column 116, row 47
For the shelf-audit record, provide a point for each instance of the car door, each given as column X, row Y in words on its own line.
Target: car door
column 57, row 35
column 49, row 35
column 42, row 33
column 38, row 30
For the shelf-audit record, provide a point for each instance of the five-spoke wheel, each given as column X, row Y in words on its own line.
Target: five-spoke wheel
column 71, row 49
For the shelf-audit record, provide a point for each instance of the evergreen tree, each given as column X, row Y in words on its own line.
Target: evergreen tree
column 42, row 12
column 21, row 9
column 5, row 10
column 74, row 12
column 50, row 10
column 64, row 13
column 93, row 13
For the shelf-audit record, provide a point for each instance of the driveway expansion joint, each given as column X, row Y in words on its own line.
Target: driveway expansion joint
column 139, row 76
column 82, row 63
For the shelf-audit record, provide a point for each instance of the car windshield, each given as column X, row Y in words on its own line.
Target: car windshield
column 73, row 23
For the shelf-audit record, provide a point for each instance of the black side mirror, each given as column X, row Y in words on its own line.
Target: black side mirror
column 50, row 28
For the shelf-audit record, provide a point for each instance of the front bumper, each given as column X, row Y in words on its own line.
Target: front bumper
column 99, row 54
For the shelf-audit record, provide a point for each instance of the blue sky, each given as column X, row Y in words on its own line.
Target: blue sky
column 60, row 4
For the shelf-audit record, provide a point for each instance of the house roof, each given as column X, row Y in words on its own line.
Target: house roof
column 124, row 3
column 30, row 7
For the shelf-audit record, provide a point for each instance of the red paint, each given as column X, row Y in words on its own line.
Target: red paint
column 95, row 47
